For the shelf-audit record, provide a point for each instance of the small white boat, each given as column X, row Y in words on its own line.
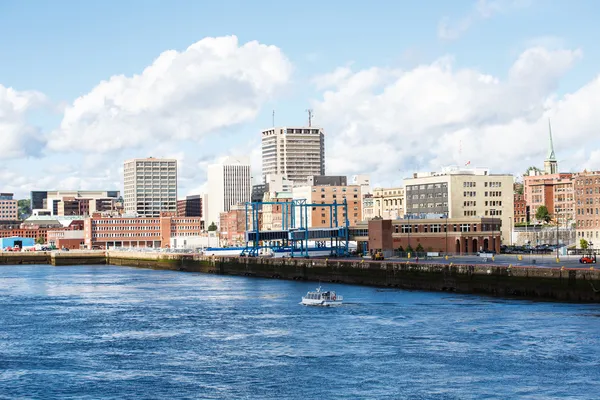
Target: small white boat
column 319, row 298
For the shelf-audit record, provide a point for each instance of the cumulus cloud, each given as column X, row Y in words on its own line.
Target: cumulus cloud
column 449, row 29
column 18, row 138
column 436, row 115
column 214, row 84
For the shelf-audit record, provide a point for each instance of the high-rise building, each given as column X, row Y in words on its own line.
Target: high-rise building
column 297, row 152
column 150, row 186
column 457, row 193
column 229, row 183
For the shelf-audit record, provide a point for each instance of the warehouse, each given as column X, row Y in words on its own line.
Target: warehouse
column 16, row 241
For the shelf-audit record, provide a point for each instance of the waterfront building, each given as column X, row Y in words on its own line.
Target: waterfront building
column 74, row 202
column 460, row 235
column 296, row 152
column 153, row 232
column 150, row 186
column 461, row 192
column 191, row 206
column 229, row 184
column 323, row 217
column 232, row 225
column 9, row 209
column 69, row 239
column 388, row 203
column 587, row 199
column 37, row 227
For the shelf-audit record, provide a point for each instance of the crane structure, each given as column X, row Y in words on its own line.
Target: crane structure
column 295, row 233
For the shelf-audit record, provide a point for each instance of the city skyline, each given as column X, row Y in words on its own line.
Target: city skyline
column 467, row 81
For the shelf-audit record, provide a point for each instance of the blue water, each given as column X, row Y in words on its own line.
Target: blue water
column 114, row 332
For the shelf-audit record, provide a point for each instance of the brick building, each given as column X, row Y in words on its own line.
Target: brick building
column 454, row 236
column 520, row 209
column 102, row 231
column 39, row 230
column 323, row 217
column 233, row 225
column 587, row 201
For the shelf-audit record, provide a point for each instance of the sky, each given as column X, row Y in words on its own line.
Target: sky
column 398, row 87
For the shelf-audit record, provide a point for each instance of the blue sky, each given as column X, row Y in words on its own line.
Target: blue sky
column 64, row 49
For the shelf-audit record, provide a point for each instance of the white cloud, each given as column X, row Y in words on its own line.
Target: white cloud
column 449, row 29
column 214, row 84
column 436, row 115
column 18, row 138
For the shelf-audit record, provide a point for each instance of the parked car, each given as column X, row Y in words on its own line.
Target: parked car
column 588, row 259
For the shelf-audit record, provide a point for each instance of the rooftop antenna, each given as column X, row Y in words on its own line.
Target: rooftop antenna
column 273, row 119
column 310, row 115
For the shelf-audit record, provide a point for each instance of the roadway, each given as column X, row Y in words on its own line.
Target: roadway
column 528, row 260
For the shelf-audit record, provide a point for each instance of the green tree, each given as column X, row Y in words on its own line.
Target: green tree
column 409, row 249
column 212, row 227
column 532, row 168
column 24, row 208
column 542, row 214
column 419, row 248
column 583, row 244
column 40, row 240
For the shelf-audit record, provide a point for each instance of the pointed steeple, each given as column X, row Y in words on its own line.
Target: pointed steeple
column 551, row 155
column 550, row 164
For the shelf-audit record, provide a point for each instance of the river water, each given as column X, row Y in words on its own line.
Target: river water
column 116, row 332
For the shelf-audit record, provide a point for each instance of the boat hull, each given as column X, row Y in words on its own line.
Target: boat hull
column 321, row 303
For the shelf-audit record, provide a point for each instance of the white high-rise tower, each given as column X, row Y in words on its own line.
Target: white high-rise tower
column 229, row 183
column 296, row 153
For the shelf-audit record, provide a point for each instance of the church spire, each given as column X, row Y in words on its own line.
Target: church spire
column 550, row 164
column 551, row 155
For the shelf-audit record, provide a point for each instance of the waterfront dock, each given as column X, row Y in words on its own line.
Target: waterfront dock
column 552, row 284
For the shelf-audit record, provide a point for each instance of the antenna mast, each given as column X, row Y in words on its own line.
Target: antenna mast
column 273, row 119
column 310, row 115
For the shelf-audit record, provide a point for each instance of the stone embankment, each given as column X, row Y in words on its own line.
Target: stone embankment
column 554, row 284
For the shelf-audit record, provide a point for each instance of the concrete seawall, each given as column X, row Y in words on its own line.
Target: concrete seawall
column 553, row 284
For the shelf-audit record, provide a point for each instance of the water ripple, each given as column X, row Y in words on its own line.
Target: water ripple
column 114, row 332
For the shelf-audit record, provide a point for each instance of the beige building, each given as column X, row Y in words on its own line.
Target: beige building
column 150, row 186
column 276, row 216
column 297, row 153
column 462, row 192
column 9, row 209
column 388, row 203
column 323, row 217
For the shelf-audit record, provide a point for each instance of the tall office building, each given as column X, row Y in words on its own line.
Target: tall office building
column 229, row 183
column 150, row 186
column 297, row 152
